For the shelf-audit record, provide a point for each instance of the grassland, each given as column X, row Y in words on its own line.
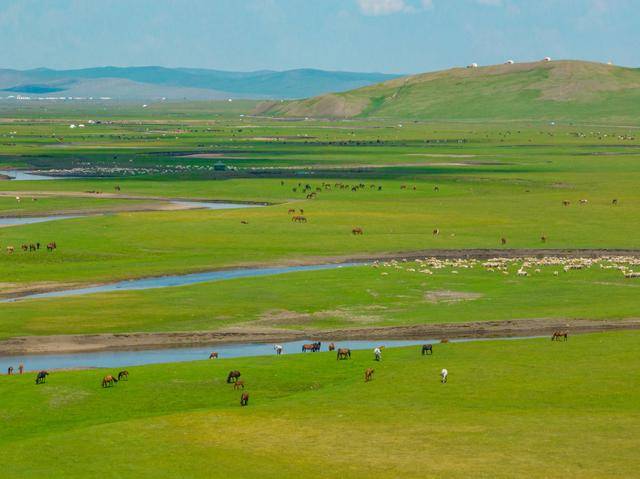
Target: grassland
column 510, row 409
column 355, row 297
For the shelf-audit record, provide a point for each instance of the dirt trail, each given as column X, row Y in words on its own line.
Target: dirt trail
column 479, row 329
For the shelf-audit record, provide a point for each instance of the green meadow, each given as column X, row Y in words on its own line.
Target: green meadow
column 521, row 408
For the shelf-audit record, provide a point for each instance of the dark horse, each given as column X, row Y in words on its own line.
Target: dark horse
column 332, row 347
column 42, row 377
column 244, row 399
column 313, row 347
column 233, row 376
column 213, row 355
column 427, row 349
column 560, row 336
column 123, row 375
column 344, row 353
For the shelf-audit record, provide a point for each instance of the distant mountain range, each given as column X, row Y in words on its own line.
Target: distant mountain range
column 566, row 89
column 130, row 83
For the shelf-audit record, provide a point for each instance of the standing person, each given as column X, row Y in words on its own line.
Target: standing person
column 443, row 375
column 10, row 371
column 21, row 368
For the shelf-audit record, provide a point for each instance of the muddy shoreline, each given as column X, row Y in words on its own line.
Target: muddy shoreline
column 479, row 329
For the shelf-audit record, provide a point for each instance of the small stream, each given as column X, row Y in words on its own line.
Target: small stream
column 117, row 359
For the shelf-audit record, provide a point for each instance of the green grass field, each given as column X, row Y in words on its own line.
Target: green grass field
column 523, row 408
column 355, row 297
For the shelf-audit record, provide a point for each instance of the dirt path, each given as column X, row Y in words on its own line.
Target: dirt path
column 481, row 329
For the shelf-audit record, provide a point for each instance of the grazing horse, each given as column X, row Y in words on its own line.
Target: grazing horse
column 51, row 246
column 332, row 347
column 108, row 381
column 244, row 399
column 566, row 203
column 278, row 348
column 427, row 349
column 299, row 219
column 368, row 375
column 117, row 187
column 124, row 374
column 313, row 347
column 10, row 371
column 357, row 231
column 42, row 377
column 233, row 376
column 238, row 384
column 614, row 201
column 443, row 376
column 10, row 249
column 436, row 232
column 213, row 355
column 503, row 241
column 543, row 239
column 344, row 353
column 378, row 354
column 560, row 336
column 291, row 211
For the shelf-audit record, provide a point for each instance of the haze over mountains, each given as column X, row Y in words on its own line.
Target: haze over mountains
column 571, row 90
column 180, row 83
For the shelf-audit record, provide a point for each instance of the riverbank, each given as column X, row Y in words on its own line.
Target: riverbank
column 479, row 329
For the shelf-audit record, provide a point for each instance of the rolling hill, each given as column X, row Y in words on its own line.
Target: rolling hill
column 181, row 83
column 538, row 90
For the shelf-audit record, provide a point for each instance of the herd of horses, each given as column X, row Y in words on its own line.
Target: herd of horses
column 234, row 375
column 31, row 247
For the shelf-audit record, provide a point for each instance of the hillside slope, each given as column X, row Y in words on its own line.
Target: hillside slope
column 181, row 83
column 553, row 90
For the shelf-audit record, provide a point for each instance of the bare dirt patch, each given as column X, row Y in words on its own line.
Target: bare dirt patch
column 444, row 296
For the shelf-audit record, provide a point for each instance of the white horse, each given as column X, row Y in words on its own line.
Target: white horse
column 443, row 375
column 278, row 348
column 378, row 354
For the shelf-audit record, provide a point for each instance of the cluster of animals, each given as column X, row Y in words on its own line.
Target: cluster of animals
column 525, row 265
column 32, row 247
column 111, row 380
column 584, row 202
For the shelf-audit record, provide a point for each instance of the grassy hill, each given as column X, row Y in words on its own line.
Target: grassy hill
column 540, row 90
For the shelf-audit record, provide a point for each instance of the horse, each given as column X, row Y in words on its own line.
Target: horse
column 445, row 340
column 233, row 376
column 566, row 203
column 543, row 239
column 443, row 376
column 42, row 377
column 427, row 349
column 124, row 374
column 108, row 381
column 10, row 249
column 344, row 353
column 436, row 232
column 368, row 375
column 238, row 384
column 614, row 201
column 291, row 211
column 503, row 241
column 51, row 246
column 213, row 355
column 313, row 347
column 378, row 354
column 244, row 222
column 244, row 399
column 560, row 336
column 357, row 231
column 332, row 347
column 278, row 348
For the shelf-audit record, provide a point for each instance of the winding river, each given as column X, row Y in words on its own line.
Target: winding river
column 116, row 359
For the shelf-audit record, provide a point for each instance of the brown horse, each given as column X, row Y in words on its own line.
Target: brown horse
column 368, row 375
column 445, row 340
column 560, row 336
column 108, row 381
column 357, row 231
column 291, row 211
column 313, row 347
column 213, row 355
column 124, row 374
column 332, row 347
column 427, row 349
column 238, row 384
column 343, row 353
column 51, row 246
column 299, row 219
column 244, row 399
column 503, row 241
column 233, row 376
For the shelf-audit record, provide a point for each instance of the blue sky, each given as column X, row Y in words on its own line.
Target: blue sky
column 399, row 36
